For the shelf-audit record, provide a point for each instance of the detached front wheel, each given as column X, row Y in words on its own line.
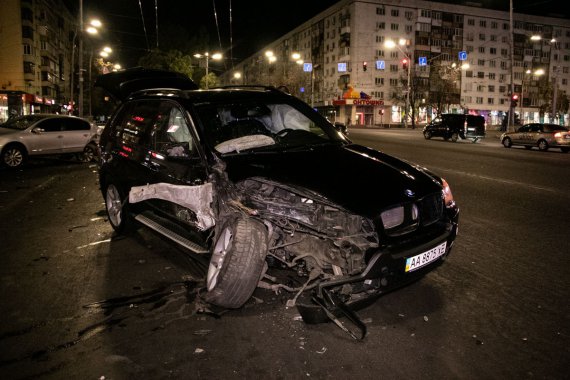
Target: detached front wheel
column 238, row 255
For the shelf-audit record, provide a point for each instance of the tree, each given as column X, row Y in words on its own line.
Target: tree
column 212, row 80
column 172, row 60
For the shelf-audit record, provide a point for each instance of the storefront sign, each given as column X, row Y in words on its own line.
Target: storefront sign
column 358, row 102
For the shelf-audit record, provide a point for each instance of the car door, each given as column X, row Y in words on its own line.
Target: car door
column 76, row 134
column 177, row 164
column 533, row 134
column 520, row 136
column 45, row 137
column 436, row 127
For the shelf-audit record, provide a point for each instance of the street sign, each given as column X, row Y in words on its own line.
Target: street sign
column 462, row 55
column 380, row 65
column 341, row 67
column 307, row 67
column 422, row 61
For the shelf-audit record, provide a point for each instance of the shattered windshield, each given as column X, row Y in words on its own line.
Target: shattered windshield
column 254, row 124
column 21, row 122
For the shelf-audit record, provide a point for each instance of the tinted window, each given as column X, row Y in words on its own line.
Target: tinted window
column 524, row 128
column 535, row 128
column 171, row 133
column 75, row 125
column 51, row 125
column 554, row 128
column 21, row 122
column 138, row 122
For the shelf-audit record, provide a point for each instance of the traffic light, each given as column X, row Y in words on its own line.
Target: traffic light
column 364, row 65
column 405, row 63
column 514, row 100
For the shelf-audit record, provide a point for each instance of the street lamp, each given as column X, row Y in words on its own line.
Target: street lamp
column 207, row 57
column 91, row 29
column 408, row 62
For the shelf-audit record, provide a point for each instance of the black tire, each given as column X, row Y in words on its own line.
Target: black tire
column 89, row 153
column 454, row 137
column 507, row 143
column 238, row 256
column 117, row 207
column 565, row 150
column 542, row 145
column 427, row 135
column 14, row 156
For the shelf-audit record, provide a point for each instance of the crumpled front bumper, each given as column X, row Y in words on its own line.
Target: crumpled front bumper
column 384, row 272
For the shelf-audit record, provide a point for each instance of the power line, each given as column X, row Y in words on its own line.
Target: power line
column 217, row 25
column 156, row 19
column 144, row 26
column 231, row 38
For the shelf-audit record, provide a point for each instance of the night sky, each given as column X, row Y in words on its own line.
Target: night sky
column 255, row 23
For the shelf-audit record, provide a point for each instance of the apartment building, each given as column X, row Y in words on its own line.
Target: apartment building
column 36, row 39
column 446, row 58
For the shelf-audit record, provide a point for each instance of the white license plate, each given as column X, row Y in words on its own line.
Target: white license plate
column 418, row 261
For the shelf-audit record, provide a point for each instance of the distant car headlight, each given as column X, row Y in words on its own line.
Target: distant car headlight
column 447, row 196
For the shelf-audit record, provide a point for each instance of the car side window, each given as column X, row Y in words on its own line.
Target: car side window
column 75, row 125
column 524, row 128
column 51, row 125
column 535, row 128
column 171, row 133
column 137, row 123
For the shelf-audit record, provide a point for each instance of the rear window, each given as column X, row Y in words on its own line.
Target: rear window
column 554, row 128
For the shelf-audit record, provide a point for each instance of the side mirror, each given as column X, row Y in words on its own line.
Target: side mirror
column 38, row 130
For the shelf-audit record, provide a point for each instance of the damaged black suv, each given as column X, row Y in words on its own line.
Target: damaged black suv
column 254, row 180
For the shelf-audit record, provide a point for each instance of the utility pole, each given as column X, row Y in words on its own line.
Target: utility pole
column 80, row 61
column 512, row 43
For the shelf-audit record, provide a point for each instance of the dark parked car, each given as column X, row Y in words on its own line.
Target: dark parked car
column 46, row 134
column 255, row 181
column 542, row 136
column 454, row 126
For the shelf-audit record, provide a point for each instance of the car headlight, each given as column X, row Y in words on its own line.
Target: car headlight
column 446, row 192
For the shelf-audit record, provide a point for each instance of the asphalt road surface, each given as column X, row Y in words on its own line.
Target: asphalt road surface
column 79, row 302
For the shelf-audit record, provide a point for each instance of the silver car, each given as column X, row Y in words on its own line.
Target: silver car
column 542, row 136
column 46, row 134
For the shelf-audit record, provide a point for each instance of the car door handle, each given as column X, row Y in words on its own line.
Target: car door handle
column 60, row 136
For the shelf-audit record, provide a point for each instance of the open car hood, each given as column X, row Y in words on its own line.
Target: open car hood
column 121, row 84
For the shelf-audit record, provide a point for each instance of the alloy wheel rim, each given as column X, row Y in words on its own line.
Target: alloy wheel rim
column 222, row 246
column 114, row 205
column 13, row 157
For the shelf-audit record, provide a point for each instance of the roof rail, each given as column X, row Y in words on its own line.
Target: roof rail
column 157, row 91
column 280, row 89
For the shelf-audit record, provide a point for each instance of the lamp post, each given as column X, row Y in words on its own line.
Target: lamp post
column 92, row 29
column 207, row 57
column 402, row 42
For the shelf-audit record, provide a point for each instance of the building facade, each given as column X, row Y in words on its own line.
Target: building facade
column 36, row 39
column 446, row 58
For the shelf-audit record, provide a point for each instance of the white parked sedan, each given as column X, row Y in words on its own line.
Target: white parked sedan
column 46, row 134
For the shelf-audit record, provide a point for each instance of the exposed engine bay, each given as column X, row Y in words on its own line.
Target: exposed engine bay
column 308, row 233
